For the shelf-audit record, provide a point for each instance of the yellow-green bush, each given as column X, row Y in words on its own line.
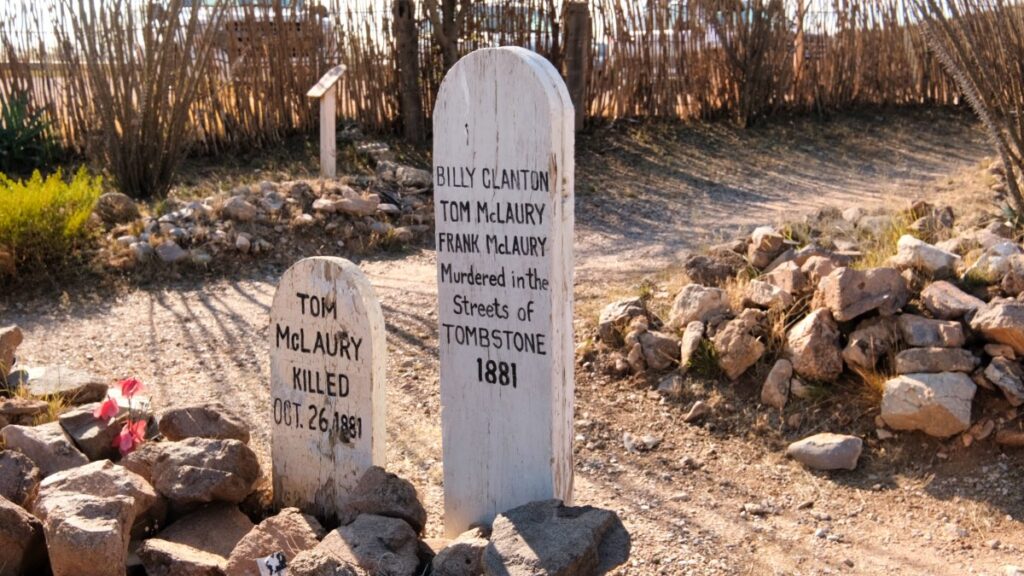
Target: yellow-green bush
column 42, row 221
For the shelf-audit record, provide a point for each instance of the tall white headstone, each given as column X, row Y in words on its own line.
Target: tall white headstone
column 327, row 370
column 503, row 200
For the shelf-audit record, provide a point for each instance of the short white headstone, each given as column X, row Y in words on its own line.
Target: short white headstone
column 327, row 370
column 503, row 200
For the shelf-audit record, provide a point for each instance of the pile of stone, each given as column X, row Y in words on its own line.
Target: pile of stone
column 936, row 322
column 393, row 206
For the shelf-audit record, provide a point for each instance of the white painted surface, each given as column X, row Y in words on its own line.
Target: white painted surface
column 325, row 433
column 327, row 91
column 501, row 110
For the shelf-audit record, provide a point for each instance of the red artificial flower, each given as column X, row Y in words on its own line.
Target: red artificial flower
column 130, row 387
column 133, row 434
column 107, row 410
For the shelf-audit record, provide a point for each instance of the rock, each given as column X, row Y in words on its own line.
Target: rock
column 21, row 411
column 948, row 302
column 799, row 389
column 937, row 404
column 163, row 558
column 775, row 390
column 377, row 544
column 816, row 268
column 760, row 294
column 1012, row 283
column 1008, row 376
column 289, row 532
column 463, row 556
column 765, row 245
column 170, row 253
column 919, row 331
column 320, row 563
column 243, row 243
column 199, row 543
column 239, row 209
column 873, row 339
column 699, row 410
column 1002, row 322
column 850, row 293
column 692, row 338
column 207, row 420
column 142, row 251
column 201, row 470
column 324, row 205
column 993, row 264
column 22, row 549
column 737, row 349
column 615, row 317
column 10, row 338
column 19, row 479
column 358, row 206
column 384, row 494
column 696, row 302
column 1000, row 351
column 933, row 360
column 913, row 253
column 115, row 208
column 409, row 177
column 104, row 479
column 46, row 445
column 548, row 538
column 73, row 386
column 827, row 451
column 812, row 345
column 1011, row 438
column 95, row 437
column 87, row 535
column 140, row 460
column 635, row 358
column 788, row 277
column 660, row 350
column 714, row 269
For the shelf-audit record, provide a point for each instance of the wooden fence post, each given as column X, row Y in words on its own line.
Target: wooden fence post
column 577, row 56
column 407, row 59
column 327, row 91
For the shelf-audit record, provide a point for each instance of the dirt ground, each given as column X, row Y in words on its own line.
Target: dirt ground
column 713, row 498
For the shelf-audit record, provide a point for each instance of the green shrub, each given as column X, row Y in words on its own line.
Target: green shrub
column 42, row 221
column 27, row 142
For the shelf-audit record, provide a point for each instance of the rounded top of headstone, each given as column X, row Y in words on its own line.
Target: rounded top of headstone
column 527, row 67
column 328, row 269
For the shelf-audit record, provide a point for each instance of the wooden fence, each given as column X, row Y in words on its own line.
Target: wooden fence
column 667, row 58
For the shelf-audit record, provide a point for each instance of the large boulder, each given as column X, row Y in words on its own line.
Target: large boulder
column 376, row 544
column 22, row 550
column 918, row 331
column 114, row 208
column 850, row 293
column 947, row 302
column 70, row 385
column 104, row 479
column 1002, row 322
column 47, row 445
column 696, row 302
column 812, row 345
column 289, row 532
column 201, row 470
column 19, row 478
column 934, row 360
column 462, row 556
column 921, row 256
column 775, row 390
column 196, row 544
column 737, row 346
column 88, row 535
column 660, row 350
column 936, row 404
column 873, row 340
column 208, row 420
column 549, row 538
column 10, row 338
column 1008, row 377
column 827, row 451
column 615, row 317
column 384, row 494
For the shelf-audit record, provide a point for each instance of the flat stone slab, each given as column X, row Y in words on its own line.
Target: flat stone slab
column 74, row 386
column 827, row 451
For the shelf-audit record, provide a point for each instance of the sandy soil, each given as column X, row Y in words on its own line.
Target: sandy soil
column 645, row 194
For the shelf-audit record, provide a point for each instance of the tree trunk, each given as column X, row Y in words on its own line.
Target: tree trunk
column 407, row 57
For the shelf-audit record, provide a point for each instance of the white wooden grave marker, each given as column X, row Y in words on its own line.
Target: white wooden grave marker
column 327, row 371
column 503, row 201
column 326, row 89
